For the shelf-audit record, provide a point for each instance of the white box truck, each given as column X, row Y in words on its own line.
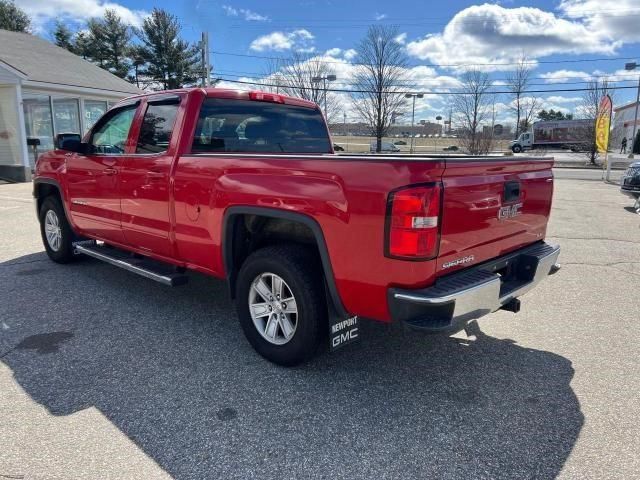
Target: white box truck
column 574, row 135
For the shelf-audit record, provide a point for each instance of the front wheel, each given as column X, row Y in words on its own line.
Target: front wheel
column 280, row 303
column 56, row 232
column 516, row 149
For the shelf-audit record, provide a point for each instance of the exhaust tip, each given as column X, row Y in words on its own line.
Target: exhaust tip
column 554, row 268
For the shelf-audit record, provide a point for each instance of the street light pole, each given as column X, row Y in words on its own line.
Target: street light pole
column 324, row 80
column 632, row 66
column 413, row 96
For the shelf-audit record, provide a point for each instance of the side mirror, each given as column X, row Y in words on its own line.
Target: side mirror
column 66, row 141
column 71, row 142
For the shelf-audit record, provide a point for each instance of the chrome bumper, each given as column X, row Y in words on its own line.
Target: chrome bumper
column 476, row 291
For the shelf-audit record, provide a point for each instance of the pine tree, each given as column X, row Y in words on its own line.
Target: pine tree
column 63, row 37
column 13, row 18
column 636, row 143
column 115, row 42
column 169, row 61
column 108, row 43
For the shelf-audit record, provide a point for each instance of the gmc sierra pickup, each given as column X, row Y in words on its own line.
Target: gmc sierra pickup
column 245, row 186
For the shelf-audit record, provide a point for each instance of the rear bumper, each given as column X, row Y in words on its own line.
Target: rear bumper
column 474, row 292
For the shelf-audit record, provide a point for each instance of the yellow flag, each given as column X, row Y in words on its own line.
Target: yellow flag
column 603, row 122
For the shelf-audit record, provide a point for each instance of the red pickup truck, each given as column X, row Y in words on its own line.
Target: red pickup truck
column 245, row 186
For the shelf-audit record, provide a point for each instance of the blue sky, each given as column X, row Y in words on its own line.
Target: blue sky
column 442, row 38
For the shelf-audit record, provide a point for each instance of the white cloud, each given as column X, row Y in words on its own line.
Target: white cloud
column 333, row 52
column 42, row 11
column 401, row 39
column 565, row 76
column 615, row 18
column 299, row 40
column 350, row 54
column 561, row 99
column 380, row 16
column 492, row 35
column 249, row 15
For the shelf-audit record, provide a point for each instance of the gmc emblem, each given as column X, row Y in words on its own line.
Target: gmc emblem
column 509, row 211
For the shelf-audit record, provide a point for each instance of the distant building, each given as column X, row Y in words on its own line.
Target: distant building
column 623, row 120
column 46, row 90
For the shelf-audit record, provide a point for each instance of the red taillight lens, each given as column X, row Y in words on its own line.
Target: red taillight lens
column 413, row 218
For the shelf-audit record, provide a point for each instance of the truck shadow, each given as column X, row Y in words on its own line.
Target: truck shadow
column 171, row 369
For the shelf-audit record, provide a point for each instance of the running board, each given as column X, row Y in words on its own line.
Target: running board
column 145, row 267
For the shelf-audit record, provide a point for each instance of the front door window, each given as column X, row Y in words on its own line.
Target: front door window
column 110, row 137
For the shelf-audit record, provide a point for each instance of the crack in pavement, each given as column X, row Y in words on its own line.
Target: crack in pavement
column 635, row 242
column 612, row 265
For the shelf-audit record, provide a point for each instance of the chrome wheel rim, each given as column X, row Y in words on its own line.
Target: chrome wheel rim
column 52, row 230
column 273, row 308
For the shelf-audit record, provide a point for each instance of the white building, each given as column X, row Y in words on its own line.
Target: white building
column 624, row 117
column 46, row 90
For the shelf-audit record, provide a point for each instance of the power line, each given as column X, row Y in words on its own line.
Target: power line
column 405, row 83
column 633, row 78
column 341, row 90
column 537, row 62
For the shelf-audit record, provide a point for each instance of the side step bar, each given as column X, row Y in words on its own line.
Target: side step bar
column 145, row 267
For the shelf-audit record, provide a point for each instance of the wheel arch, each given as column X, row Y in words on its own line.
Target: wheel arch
column 44, row 187
column 232, row 231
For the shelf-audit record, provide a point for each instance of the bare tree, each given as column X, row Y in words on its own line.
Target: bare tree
column 294, row 76
column 589, row 109
column 528, row 107
column 517, row 83
column 381, row 63
column 472, row 106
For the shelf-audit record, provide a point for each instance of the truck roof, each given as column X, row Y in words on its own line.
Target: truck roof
column 212, row 92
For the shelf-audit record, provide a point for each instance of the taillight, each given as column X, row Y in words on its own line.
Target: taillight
column 413, row 222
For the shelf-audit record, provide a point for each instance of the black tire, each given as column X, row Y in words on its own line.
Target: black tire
column 64, row 251
column 300, row 268
column 516, row 149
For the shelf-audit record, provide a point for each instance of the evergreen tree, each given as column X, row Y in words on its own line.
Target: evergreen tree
column 169, row 61
column 113, row 38
column 63, row 37
column 636, row 143
column 552, row 115
column 13, row 18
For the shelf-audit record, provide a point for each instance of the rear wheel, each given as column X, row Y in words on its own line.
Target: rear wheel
column 280, row 303
column 56, row 232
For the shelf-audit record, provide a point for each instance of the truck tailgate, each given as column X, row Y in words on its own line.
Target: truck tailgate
column 491, row 207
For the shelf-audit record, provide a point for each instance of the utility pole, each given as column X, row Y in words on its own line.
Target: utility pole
column 204, row 57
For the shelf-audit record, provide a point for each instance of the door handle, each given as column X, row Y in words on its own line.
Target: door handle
column 110, row 171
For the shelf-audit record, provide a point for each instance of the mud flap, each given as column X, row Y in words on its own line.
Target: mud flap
column 342, row 331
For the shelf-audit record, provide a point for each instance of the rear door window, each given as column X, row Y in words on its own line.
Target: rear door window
column 226, row 125
column 157, row 126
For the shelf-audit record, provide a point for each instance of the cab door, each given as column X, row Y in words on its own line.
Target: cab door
column 145, row 190
column 93, row 177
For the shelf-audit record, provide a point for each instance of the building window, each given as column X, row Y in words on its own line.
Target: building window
column 38, row 120
column 93, row 110
column 66, row 115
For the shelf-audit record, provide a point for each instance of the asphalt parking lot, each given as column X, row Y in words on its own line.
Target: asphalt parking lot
column 105, row 375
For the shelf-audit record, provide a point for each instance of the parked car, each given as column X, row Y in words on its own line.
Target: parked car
column 384, row 147
column 243, row 186
column 630, row 184
column 400, row 142
column 451, row 148
column 337, row 148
